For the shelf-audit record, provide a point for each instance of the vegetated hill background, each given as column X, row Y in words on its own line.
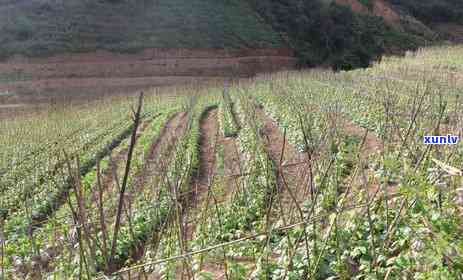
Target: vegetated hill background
column 432, row 11
column 351, row 33
column 45, row 27
column 328, row 32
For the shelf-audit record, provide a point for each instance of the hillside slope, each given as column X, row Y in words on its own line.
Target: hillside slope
column 347, row 34
column 59, row 49
column 430, row 19
column 44, row 27
column 344, row 34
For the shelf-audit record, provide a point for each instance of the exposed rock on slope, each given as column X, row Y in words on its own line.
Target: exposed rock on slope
column 377, row 7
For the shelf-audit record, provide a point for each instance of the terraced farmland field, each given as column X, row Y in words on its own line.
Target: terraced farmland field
column 294, row 175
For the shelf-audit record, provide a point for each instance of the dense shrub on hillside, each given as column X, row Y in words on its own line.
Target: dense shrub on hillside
column 326, row 33
column 433, row 11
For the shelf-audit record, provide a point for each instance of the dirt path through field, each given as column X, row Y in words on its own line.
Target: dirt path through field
column 207, row 146
column 153, row 171
column 158, row 155
column 206, row 173
column 108, row 176
column 232, row 165
column 196, row 199
column 292, row 165
column 372, row 144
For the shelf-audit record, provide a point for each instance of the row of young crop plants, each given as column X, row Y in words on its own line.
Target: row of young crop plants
column 38, row 232
column 26, row 137
column 161, row 206
column 242, row 212
column 397, row 114
column 158, row 201
column 413, row 234
column 309, row 124
column 36, row 188
column 39, row 180
column 52, row 239
column 246, row 211
column 392, row 213
column 392, row 216
column 425, row 93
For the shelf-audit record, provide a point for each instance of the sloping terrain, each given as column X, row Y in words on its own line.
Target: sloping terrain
column 427, row 19
column 65, row 49
column 78, row 75
column 377, row 8
column 41, row 27
column 50, row 48
column 347, row 34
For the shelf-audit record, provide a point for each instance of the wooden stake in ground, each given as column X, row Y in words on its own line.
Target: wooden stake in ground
column 2, row 247
column 123, row 188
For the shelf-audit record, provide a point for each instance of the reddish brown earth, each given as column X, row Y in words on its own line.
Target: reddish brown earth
column 292, row 165
column 203, row 180
column 372, row 143
column 232, row 164
column 379, row 8
column 27, row 79
column 207, row 147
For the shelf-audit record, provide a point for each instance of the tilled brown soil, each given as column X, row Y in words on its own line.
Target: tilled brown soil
column 292, row 166
column 201, row 183
column 158, row 155
column 207, row 149
column 232, row 164
column 154, row 169
column 196, row 197
column 372, row 144
column 32, row 80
